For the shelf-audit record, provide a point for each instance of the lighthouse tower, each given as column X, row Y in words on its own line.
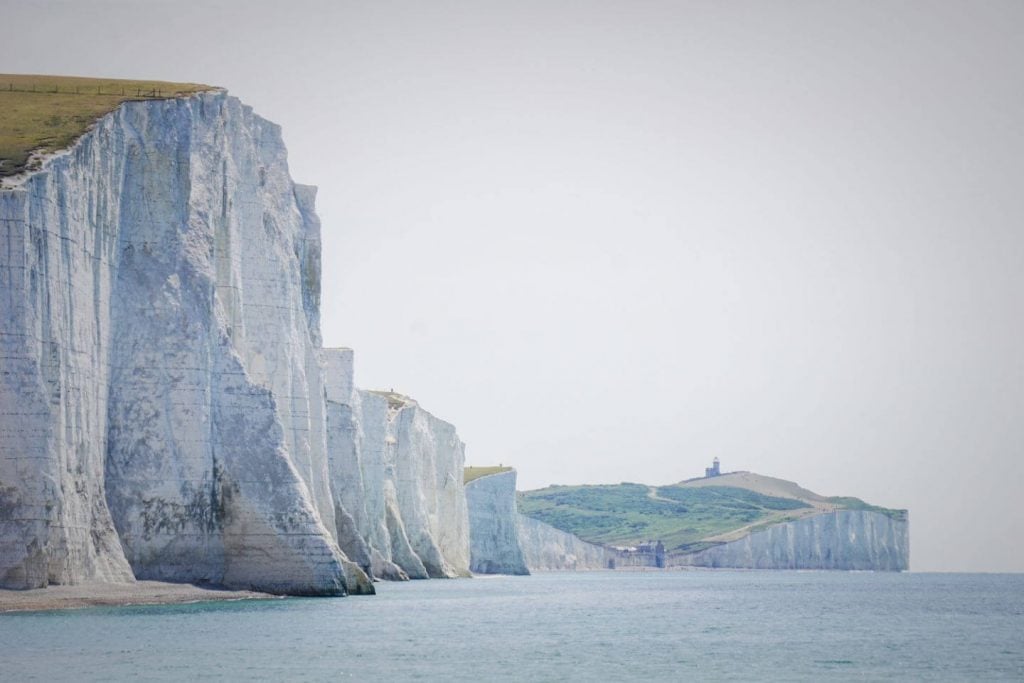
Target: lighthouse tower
column 712, row 471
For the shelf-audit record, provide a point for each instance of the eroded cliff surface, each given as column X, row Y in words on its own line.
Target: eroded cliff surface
column 163, row 405
column 493, row 525
column 844, row 539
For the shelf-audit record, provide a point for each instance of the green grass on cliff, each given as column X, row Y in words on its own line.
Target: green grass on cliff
column 626, row 514
column 396, row 400
column 686, row 517
column 471, row 473
column 850, row 503
column 48, row 113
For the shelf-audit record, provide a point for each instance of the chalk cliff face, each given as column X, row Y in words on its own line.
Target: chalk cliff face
column 493, row 525
column 429, row 459
column 163, row 406
column 845, row 539
column 546, row 548
column 397, row 471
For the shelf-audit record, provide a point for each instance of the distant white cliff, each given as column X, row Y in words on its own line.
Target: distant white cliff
column 844, row 539
column 502, row 541
column 775, row 524
column 164, row 407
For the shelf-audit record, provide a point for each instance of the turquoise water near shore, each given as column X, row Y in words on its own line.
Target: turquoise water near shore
column 672, row 625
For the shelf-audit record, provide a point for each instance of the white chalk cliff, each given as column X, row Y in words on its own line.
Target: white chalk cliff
column 397, row 476
column 493, row 525
column 844, row 539
column 546, row 548
column 165, row 412
column 502, row 541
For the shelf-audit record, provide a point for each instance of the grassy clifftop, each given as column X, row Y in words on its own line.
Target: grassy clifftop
column 471, row 473
column 48, row 113
column 686, row 516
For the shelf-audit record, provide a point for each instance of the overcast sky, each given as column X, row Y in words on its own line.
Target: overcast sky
column 612, row 240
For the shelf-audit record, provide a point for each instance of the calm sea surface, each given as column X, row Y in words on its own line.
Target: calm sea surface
column 695, row 625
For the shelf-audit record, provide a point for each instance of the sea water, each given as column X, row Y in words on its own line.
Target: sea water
column 600, row 626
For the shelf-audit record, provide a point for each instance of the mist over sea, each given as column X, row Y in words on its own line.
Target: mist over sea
column 658, row 625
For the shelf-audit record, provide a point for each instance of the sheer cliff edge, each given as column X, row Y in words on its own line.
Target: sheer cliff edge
column 167, row 410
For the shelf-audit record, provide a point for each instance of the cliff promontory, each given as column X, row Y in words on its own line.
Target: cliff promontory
column 740, row 520
column 502, row 541
column 494, row 532
column 167, row 410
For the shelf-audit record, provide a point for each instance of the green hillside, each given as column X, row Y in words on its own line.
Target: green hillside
column 686, row 516
column 48, row 113
column 626, row 514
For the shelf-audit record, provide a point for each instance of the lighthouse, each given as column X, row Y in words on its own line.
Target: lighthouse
column 712, row 471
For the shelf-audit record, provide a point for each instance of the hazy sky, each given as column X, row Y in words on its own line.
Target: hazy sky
column 612, row 240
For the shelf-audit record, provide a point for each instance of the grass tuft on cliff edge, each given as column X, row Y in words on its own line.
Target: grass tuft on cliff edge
column 471, row 473
column 44, row 114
